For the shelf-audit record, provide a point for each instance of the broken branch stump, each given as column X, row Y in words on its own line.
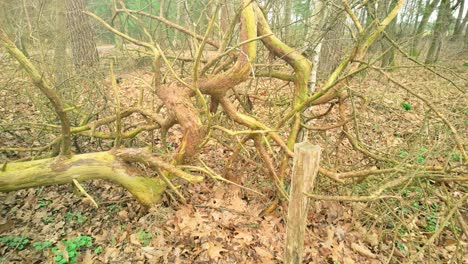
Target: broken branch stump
column 306, row 165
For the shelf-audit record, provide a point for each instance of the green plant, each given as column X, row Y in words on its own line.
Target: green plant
column 17, row 242
column 431, row 223
column 42, row 245
column 456, row 157
column 421, row 152
column 48, row 219
column 401, row 246
column 406, row 106
column 43, row 203
column 145, row 237
column 75, row 217
column 403, row 231
column 98, row 250
column 403, row 154
column 73, row 247
column 113, row 209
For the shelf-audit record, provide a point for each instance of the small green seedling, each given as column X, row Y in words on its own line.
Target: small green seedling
column 402, row 247
column 113, row 209
column 75, row 217
column 43, row 203
column 73, row 247
column 406, row 106
column 145, row 237
column 431, row 223
column 16, row 242
column 98, row 250
column 403, row 154
column 42, row 245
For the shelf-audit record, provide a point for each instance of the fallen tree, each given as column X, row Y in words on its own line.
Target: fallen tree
column 193, row 102
column 111, row 166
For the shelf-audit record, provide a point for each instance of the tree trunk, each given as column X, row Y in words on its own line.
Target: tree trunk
column 179, row 12
column 85, row 55
column 440, row 29
column 287, row 21
column 307, row 17
column 466, row 38
column 388, row 60
column 418, row 35
column 417, row 12
column 460, row 24
column 317, row 24
column 60, row 44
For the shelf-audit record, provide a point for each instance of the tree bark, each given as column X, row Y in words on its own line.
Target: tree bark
column 287, row 21
column 60, row 44
column 85, row 55
column 440, row 29
column 319, row 16
column 460, row 24
column 388, row 60
column 418, row 35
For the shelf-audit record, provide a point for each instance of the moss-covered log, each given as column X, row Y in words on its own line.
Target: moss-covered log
column 90, row 166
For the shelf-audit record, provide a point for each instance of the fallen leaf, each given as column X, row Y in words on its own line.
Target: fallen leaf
column 264, row 254
column 6, row 226
column 214, row 249
column 362, row 250
column 134, row 240
column 152, row 254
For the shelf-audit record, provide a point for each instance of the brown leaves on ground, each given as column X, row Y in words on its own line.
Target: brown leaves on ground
column 225, row 228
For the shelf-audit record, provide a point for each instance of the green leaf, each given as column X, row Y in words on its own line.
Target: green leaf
column 406, row 106
column 42, row 245
column 98, row 250
column 465, row 64
column 403, row 154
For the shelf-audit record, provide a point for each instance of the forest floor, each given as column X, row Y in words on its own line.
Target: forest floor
column 221, row 222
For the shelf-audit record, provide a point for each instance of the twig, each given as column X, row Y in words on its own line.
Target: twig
column 439, row 229
column 351, row 198
column 215, row 176
column 173, row 188
column 83, row 191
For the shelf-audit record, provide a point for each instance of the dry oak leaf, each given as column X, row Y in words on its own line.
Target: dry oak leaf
column 265, row 255
column 362, row 250
column 214, row 249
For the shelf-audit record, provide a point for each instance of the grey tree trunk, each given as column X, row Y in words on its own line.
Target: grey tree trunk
column 418, row 35
column 85, row 55
column 460, row 24
column 417, row 12
column 60, row 45
column 388, row 60
column 440, row 29
column 287, row 21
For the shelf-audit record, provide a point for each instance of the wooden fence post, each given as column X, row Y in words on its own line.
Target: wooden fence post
column 306, row 165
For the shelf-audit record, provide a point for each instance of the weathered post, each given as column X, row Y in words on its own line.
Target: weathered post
column 306, row 165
